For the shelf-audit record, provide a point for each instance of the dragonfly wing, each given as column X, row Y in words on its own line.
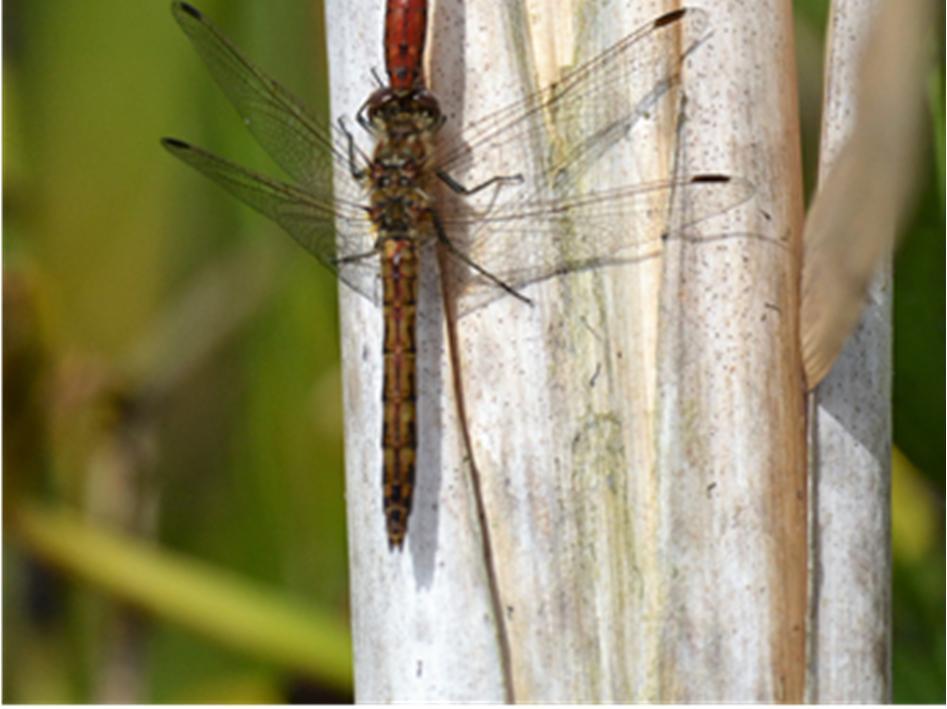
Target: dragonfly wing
column 590, row 108
column 319, row 225
column 552, row 224
column 522, row 243
column 278, row 120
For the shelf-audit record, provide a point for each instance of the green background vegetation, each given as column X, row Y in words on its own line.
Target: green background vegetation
column 174, row 523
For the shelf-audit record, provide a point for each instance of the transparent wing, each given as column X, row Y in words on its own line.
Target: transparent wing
column 320, row 225
column 549, row 226
column 548, row 239
column 591, row 106
column 281, row 124
column 328, row 220
column 542, row 228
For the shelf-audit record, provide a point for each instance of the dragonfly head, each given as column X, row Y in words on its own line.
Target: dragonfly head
column 394, row 111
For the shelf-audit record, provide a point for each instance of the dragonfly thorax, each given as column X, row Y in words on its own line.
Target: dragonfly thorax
column 404, row 124
column 399, row 209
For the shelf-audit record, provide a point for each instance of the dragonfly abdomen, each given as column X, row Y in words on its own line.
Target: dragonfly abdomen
column 405, row 28
column 404, row 123
column 399, row 273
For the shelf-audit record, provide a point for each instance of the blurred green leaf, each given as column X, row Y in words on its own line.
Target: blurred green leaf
column 210, row 601
column 913, row 513
column 240, row 688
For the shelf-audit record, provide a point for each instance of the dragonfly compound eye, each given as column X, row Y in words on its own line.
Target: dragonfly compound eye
column 426, row 107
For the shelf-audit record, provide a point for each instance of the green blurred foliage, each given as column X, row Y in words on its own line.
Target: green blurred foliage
column 238, row 462
column 919, row 343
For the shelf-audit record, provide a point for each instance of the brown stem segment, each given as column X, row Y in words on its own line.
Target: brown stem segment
column 503, row 636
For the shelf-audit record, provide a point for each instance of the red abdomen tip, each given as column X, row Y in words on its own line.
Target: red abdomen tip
column 405, row 30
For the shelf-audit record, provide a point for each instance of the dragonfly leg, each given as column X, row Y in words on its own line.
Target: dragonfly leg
column 377, row 78
column 362, row 119
column 455, row 186
column 352, row 258
column 442, row 238
column 356, row 172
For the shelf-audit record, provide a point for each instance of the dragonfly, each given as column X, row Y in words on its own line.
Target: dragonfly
column 370, row 226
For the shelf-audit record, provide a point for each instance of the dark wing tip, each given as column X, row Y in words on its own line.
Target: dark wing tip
column 670, row 17
column 710, row 178
column 175, row 145
column 186, row 8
